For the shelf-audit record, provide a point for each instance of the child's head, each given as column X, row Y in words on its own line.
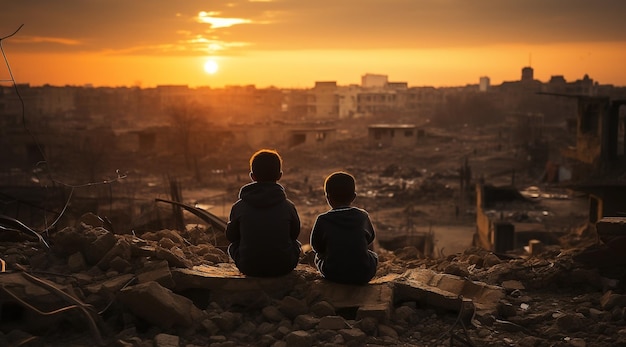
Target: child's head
column 266, row 166
column 340, row 189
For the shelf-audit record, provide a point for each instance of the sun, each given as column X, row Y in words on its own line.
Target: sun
column 211, row 66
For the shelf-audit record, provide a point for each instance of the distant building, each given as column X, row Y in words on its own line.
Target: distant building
column 393, row 135
column 348, row 101
column 295, row 104
column 528, row 74
column 398, row 85
column 422, row 101
column 600, row 138
column 483, row 85
column 374, row 81
column 598, row 160
column 317, row 136
column 377, row 102
column 323, row 101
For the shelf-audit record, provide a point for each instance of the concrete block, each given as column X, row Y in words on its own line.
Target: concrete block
column 333, row 323
column 157, row 271
column 609, row 228
column 160, row 306
column 381, row 312
column 446, row 291
column 354, row 296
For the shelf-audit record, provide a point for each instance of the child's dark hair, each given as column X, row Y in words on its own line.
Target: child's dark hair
column 266, row 165
column 340, row 187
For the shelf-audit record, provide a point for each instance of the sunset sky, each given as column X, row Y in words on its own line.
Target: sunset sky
column 293, row 43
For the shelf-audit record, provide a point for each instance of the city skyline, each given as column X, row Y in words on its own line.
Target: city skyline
column 291, row 44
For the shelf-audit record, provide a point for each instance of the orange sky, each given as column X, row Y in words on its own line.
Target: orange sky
column 291, row 43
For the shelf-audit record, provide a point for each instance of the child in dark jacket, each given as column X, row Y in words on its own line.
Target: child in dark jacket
column 342, row 237
column 264, row 225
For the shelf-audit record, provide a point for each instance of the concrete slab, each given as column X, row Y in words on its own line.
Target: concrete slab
column 372, row 299
column 609, row 228
column 226, row 284
column 447, row 291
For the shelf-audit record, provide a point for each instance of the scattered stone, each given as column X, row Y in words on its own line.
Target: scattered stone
column 333, row 323
column 577, row 342
column 512, row 285
column 272, row 314
column 456, row 269
column 101, row 246
column 387, row 331
column 506, row 310
column 227, row 321
column 292, row 307
column 265, row 328
column 610, row 300
column 490, row 260
column 166, row 340
column 157, row 271
column 175, row 257
column 76, row 262
column 120, row 264
column 159, row 305
column 323, row 308
column 570, row 323
column 368, row 325
column 379, row 311
column 139, row 289
column 210, row 326
column 306, row 322
column 299, row 338
column 353, row 337
column 404, row 314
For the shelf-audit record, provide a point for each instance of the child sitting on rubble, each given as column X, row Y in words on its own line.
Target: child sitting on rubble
column 342, row 237
column 264, row 225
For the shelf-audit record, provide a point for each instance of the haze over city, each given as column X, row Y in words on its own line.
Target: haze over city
column 292, row 44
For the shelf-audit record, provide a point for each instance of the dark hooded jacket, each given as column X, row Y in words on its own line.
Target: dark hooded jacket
column 341, row 239
column 263, row 229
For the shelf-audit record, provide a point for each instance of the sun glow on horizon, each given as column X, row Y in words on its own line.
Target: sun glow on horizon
column 301, row 69
column 211, row 67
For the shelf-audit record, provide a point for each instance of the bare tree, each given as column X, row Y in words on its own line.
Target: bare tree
column 188, row 121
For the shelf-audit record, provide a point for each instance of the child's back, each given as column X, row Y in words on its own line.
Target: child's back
column 264, row 225
column 341, row 237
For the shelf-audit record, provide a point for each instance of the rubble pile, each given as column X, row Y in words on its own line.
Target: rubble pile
column 171, row 288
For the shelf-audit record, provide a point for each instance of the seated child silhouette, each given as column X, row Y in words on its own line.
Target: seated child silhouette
column 264, row 225
column 342, row 237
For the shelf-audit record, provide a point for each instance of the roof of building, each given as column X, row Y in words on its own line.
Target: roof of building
column 392, row 126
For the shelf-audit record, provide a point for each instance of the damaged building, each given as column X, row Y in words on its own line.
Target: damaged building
column 594, row 167
column 393, row 135
column 506, row 220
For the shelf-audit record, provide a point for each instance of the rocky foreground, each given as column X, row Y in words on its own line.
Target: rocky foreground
column 88, row 286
